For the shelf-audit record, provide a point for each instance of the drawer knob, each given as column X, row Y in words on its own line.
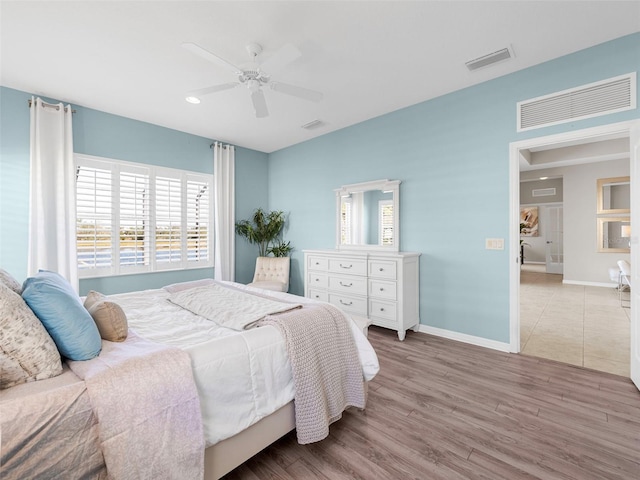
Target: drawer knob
column 381, row 269
column 381, row 289
column 317, row 263
column 317, row 279
column 345, row 266
column 346, row 303
column 381, row 309
column 345, row 285
column 317, row 296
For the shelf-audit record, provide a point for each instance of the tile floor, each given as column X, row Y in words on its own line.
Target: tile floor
column 574, row 324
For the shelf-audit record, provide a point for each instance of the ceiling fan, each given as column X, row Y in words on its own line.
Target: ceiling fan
column 254, row 76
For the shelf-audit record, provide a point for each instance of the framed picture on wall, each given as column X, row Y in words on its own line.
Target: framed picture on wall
column 529, row 221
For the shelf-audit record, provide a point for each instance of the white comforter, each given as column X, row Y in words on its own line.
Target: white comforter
column 241, row 377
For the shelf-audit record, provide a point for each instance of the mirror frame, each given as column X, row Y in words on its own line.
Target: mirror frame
column 392, row 186
column 600, row 238
column 603, row 182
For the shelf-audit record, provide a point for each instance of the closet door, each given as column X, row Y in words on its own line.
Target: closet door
column 554, row 240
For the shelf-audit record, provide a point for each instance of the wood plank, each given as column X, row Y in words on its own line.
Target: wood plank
column 445, row 410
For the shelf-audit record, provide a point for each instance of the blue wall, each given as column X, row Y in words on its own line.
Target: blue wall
column 451, row 153
column 452, row 156
column 102, row 134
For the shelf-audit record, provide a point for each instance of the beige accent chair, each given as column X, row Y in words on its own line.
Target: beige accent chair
column 272, row 273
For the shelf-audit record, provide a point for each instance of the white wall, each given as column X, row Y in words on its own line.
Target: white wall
column 582, row 261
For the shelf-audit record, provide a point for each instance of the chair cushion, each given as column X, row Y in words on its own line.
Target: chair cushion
column 28, row 353
column 60, row 310
column 267, row 285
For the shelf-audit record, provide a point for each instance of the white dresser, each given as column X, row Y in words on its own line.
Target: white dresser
column 380, row 286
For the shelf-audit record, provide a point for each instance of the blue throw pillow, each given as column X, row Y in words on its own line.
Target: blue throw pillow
column 60, row 310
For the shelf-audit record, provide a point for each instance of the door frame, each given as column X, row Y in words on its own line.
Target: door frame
column 632, row 130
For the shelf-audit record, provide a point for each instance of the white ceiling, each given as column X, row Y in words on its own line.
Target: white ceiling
column 368, row 58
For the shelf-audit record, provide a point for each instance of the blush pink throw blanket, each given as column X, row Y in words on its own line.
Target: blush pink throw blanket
column 148, row 410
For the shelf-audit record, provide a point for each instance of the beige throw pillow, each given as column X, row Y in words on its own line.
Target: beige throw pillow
column 109, row 317
column 27, row 352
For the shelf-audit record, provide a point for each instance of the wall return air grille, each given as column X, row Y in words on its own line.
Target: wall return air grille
column 600, row 98
column 543, row 192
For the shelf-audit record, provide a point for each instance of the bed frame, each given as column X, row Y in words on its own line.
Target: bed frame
column 224, row 456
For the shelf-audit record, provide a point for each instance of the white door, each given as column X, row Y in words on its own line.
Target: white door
column 635, row 260
column 553, row 237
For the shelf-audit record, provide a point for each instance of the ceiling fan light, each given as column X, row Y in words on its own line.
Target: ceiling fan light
column 253, row 85
column 192, row 99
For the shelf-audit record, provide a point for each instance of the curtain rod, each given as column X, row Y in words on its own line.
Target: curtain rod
column 57, row 107
column 223, row 146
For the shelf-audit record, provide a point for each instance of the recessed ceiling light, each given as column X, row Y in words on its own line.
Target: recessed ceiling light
column 543, row 178
column 195, row 100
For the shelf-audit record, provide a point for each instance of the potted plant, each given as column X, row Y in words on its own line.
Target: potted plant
column 264, row 229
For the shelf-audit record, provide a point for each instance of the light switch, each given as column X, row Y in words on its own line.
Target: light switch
column 494, row 244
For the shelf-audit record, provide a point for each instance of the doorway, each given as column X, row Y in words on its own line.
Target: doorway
column 625, row 130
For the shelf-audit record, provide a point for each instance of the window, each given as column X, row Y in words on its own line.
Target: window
column 385, row 220
column 135, row 218
column 345, row 221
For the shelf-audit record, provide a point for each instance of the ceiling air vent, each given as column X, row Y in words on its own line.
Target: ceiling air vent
column 312, row 124
column 486, row 60
column 600, row 98
column 543, row 192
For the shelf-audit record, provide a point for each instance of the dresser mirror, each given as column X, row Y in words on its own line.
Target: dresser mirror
column 367, row 215
column 614, row 195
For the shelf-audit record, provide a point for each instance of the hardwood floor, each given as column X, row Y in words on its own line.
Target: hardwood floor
column 441, row 409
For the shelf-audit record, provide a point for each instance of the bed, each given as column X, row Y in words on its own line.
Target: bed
column 244, row 381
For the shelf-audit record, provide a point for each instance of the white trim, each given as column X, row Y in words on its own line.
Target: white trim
column 623, row 128
column 463, row 337
column 589, row 284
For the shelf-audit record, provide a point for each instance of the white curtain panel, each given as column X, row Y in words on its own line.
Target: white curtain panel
column 52, row 201
column 224, row 178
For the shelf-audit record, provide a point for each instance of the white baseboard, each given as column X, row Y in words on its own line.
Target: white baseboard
column 589, row 284
column 463, row 337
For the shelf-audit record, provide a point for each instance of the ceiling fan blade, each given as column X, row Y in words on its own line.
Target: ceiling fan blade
column 215, row 88
column 207, row 55
column 259, row 104
column 283, row 57
column 304, row 93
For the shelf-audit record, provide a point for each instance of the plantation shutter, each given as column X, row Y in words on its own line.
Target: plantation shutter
column 198, row 219
column 94, row 218
column 346, row 228
column 134, row 244
column 385, row 209
column 168, row 220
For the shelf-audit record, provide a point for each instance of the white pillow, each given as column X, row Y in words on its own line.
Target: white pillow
column 27, row 352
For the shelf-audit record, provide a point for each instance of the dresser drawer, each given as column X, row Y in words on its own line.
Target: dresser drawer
column 318, row 280
column 348, row 284
column 383, row 289
column 383, row 310
column 315, row 262
column 357, row 305
column 352, row 266
column 321, row 295
column 382, row 269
